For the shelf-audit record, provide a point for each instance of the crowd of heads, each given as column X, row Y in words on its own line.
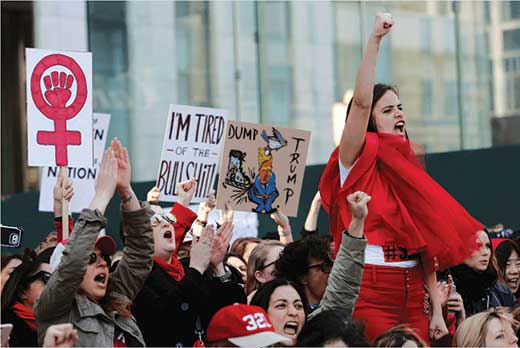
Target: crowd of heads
column 279, row 284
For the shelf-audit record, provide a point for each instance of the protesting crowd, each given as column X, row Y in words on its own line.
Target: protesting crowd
column 402, row 265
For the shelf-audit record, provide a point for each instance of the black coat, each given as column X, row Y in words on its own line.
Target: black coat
column 167, row 310
column 481, row 291
column 22, row 335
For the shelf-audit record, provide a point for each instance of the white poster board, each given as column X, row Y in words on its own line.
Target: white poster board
column 83, row 178
column 193, row 138
column 59, row 108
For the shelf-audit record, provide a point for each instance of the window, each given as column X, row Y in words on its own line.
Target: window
column 512, row 40
column 426, row 97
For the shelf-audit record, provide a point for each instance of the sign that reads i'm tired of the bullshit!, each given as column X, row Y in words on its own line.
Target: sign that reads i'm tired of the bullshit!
column 191, row 149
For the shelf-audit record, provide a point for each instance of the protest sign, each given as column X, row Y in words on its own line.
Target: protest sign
column 191, row 149
column 83, row 178
column 59, row 108
column 262, row 168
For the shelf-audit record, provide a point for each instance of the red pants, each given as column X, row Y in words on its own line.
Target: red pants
column 390, row 296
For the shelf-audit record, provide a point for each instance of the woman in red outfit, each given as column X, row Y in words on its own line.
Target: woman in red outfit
column 413, row 226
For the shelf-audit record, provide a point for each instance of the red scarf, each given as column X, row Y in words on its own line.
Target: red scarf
column 26, row 314
column 408, row 208
column 174, row 268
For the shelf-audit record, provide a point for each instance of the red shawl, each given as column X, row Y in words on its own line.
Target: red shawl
column 408, row 208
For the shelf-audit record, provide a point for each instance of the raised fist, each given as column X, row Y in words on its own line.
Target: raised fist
column 382, row 25
column 58, row 89
column 358, row 204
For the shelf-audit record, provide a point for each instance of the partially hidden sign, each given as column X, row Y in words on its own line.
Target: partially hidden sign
column 59, row 108
column 262, row 168
column 192, row 142
column 83, row 178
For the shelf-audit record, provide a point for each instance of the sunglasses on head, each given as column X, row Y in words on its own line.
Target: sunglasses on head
column 156, row 219
column 267, row 265
column 44, row 276
column 93, row 259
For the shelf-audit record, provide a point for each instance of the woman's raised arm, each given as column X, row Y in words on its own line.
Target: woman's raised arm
column 353, row 137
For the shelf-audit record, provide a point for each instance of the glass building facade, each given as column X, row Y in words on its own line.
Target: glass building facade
column 288, row 63
column 456, row 65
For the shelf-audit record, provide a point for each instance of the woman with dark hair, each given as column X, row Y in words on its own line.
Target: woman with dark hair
column 21, row 292
column 332, row 328
column 238, row 263
column 508, row 262
column 9, row 264
column 404, row 239
column 81, row 290
column 286, row 306
column 476, row 280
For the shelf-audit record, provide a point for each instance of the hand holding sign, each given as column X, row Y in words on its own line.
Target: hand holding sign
column 63, row 189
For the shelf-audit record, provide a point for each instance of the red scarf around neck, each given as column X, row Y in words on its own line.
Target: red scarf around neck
column 26, row 314
column 174, row 268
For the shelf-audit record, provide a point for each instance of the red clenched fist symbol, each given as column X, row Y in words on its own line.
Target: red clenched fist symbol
column 54, row 105
column 58, row 90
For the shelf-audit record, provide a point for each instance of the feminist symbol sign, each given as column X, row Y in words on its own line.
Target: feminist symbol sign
column 59, row 91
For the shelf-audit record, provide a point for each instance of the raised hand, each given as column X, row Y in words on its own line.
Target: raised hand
column 444, row 292
column 382, row 25
column 222, row 239
column 106, row 181
column 60, row 335
column 280, row 219
column 207, row 206
column 202, row 249
column 185, row 191
column 153, row 195
column 226, row 214
column 358, row 204
column 124, row 171
column 58, row 89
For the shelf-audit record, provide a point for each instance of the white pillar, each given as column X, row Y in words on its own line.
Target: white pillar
column 152, row 78
column 61, row 25
column 313, row 73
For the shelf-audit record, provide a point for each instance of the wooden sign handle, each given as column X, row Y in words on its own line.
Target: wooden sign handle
column 64, row 204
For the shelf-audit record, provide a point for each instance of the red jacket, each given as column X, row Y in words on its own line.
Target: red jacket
column 408, row 208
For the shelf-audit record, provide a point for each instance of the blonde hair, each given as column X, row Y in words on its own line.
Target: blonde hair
column 257, row 261
column 472, row 332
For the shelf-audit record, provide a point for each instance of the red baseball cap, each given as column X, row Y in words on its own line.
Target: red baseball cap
column 244, row 326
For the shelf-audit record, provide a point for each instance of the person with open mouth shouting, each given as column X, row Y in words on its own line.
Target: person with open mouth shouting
column 414, row 226
column 177, row 301
column 81, row 290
